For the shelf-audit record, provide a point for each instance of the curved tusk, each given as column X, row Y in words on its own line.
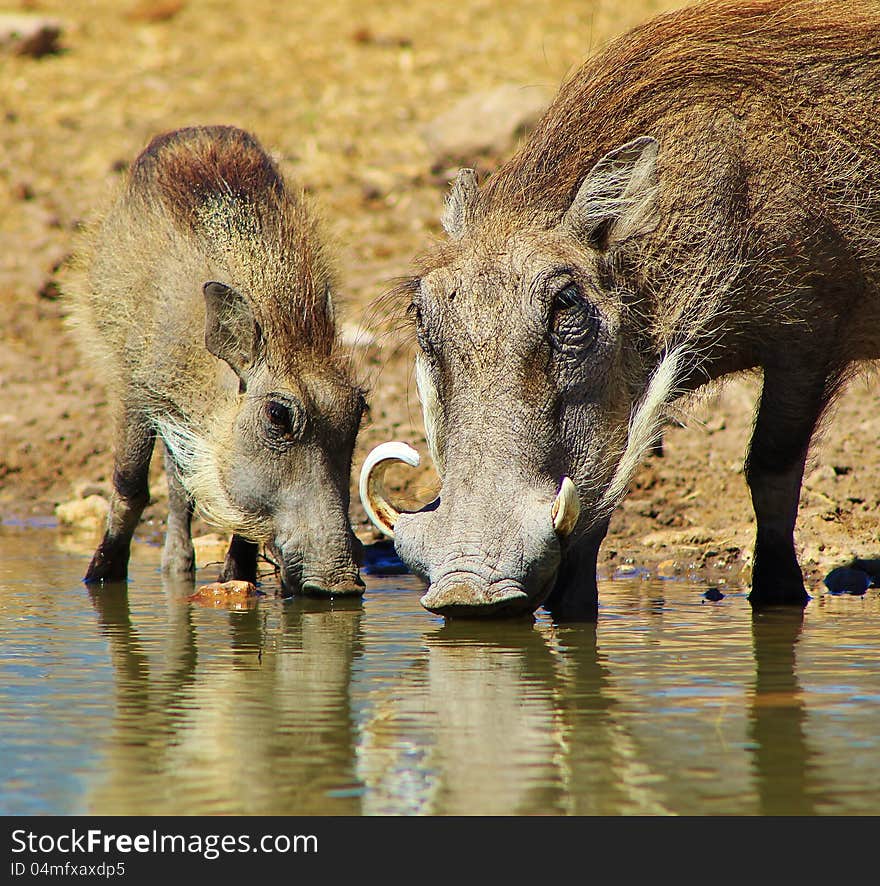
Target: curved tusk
column 372, row 489
column 566, row 508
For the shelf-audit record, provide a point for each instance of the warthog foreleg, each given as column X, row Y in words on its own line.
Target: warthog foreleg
column 135, row 438
column 575, row 596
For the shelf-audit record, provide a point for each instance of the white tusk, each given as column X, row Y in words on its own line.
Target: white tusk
column 566, row 508
column 371, row 487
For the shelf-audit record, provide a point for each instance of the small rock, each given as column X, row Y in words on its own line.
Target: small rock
column 714, row 595
column 487, row 122
column 668, row 568
column 84, row 513
column 226, row 593
column 33, row 35
column 846, row 580
column 626, row 569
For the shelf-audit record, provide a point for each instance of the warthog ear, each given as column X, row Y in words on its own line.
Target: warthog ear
column 461, row 204
column 616, row 200
column 231, row 333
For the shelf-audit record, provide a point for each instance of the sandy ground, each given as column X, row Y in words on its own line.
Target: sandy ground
column 340, row 92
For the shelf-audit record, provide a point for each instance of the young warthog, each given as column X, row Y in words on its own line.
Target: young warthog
column 209, row 311
column 702, row 198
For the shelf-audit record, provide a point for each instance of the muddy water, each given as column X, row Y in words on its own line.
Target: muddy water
column 135, row 701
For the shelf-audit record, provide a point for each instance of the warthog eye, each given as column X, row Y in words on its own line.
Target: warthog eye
column 574, row 324
column 278, row 414
column 282, row 419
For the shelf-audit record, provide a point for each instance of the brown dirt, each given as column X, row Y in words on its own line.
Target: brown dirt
column 339, row 91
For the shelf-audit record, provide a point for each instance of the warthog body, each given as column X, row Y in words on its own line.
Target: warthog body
column 700, row 199
column 209, row 312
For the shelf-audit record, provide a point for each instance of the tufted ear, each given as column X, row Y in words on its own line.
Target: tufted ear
column 617, row 199
column 231, row 333
column 461, row 204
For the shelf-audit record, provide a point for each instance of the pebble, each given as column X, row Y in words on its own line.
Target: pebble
column 846, row 580
column 226, row 593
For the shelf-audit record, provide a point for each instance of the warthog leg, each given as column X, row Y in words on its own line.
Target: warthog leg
column 241, row 561
column 575, row 596
column 135, row 438
column 178, row 556
column 792, row 400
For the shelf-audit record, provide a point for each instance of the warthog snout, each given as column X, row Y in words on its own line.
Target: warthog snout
column 312, row 573
column 455, row 595
column 484, row 551
column 294, row 580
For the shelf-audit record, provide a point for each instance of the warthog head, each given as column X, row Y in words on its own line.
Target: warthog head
column 273, row 459
column 537, row 395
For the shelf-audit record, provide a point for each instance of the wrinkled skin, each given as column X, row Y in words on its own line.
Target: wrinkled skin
column 523, row 355
column 524, row 380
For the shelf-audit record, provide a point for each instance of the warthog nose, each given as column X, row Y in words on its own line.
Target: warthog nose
column 463, row 598
column 317, row 588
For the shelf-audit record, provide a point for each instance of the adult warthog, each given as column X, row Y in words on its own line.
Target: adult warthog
column 702, row 198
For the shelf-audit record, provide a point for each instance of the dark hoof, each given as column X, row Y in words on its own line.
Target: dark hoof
column 109, row 563
column 573, row 611
column 779, row 595
column 777, row 579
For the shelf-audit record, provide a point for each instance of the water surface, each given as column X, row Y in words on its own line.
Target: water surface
column 134, row 700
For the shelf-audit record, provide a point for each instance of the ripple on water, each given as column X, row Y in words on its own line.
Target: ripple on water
column 125, row 701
